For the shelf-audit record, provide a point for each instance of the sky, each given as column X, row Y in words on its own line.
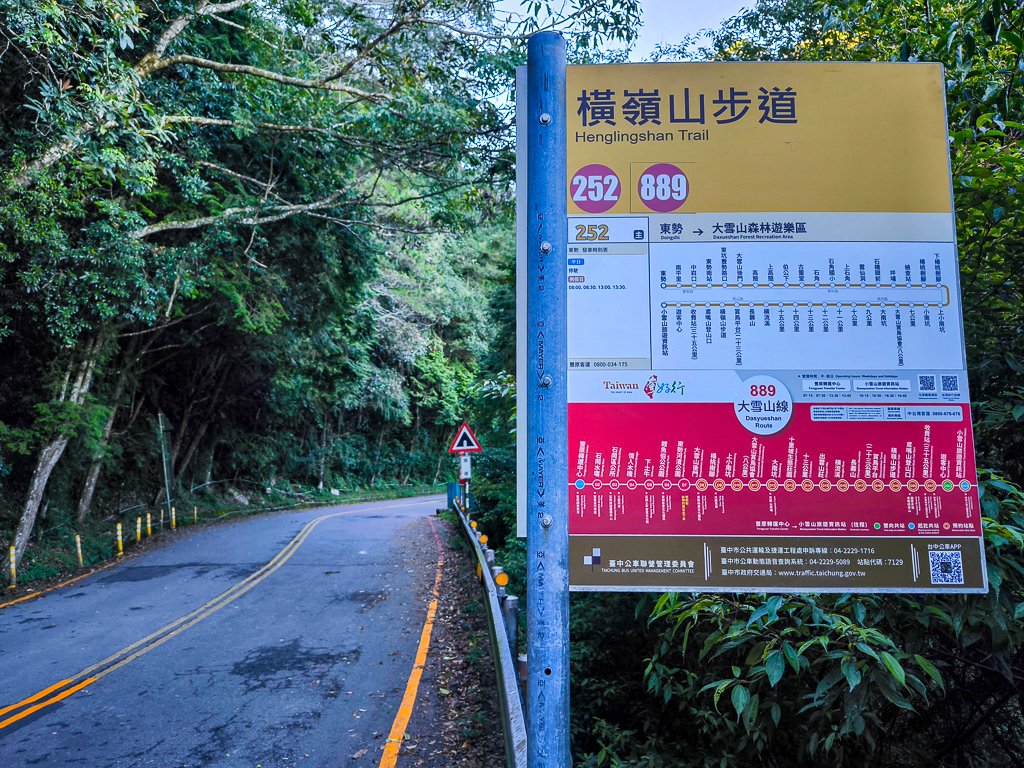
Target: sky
column 668, row 21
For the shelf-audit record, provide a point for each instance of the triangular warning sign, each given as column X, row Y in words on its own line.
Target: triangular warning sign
column 465, row 441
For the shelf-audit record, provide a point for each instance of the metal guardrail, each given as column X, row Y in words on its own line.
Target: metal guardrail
column 501, row 621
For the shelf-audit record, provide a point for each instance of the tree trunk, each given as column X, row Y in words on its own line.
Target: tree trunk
column 323, row 453
column 376, row 458
column 209, row 412
column 92, row 476
column 48, row 458
column 190, row 452
column 77, row 381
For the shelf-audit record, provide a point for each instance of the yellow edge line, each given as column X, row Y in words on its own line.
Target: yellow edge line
column 397, row 734
column 42, row 592
column 62, row 695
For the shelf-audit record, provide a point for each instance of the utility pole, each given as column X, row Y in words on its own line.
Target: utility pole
column 547, row 543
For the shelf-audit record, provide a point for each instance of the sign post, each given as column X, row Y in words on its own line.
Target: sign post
column 463, row 444
column 465, row 473
column 547, row 610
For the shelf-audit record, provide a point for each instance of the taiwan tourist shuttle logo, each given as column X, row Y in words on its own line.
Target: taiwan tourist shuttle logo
column 651, row 386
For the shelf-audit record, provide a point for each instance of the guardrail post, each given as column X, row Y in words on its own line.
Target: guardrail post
column 547, row 533
column 523, row 674
column 510, row 612
column 500, row 580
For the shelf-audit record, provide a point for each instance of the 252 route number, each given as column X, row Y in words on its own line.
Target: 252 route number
column 595, row 188
column 590, row 232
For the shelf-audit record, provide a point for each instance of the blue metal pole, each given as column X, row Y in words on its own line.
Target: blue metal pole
column 547, row 543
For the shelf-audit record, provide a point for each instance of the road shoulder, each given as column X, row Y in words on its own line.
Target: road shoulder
column 456, row 720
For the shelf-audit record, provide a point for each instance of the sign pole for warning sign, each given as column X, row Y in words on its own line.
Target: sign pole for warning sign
column 463, row 445
column 547, row 542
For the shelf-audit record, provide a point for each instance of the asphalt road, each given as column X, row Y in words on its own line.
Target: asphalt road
column 261, row 642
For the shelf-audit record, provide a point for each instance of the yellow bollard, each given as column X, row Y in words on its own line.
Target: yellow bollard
column 138, row 529
column 149, row 524
column 174, row 522
column 14, row 569
column 195, row 515
column 120, row 542
column 78, row 549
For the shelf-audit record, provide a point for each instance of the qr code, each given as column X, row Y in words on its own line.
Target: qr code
column 947, row 567
column 926, row 383
column 950, row 384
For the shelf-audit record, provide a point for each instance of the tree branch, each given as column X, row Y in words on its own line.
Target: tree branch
column 266, row 74
column 147, row 64
column 57, row 152
column 467, row 32
column 396, row 25
column 225, row 123
column 155, row 54
column 229, row 172
column 253, row 215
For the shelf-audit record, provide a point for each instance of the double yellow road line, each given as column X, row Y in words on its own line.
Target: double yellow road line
column 60, row 691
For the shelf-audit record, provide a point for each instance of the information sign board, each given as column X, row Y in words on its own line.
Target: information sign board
column 767, row 385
